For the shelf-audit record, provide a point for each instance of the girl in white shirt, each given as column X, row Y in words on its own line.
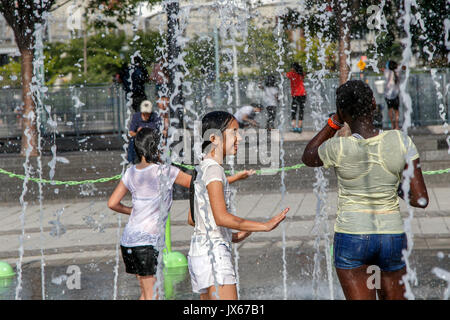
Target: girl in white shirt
column 209, row 259
column 146, row 181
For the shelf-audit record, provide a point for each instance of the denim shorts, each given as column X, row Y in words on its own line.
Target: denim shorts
column 355, row 250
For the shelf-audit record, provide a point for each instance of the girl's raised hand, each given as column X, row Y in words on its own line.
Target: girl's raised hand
column 244, row 174
column 275, row 221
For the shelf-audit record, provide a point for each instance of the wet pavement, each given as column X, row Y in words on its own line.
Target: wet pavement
column 260, row 274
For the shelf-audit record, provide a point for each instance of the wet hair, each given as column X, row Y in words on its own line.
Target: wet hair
column 392, row 65
column 355, row 99
column 146, row 144
column 137, row 60
column 270, row 81
column 257, row 105
column 297, row 68
column 215, row 120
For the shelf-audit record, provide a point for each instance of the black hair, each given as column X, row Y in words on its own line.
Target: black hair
column 392, row 65
column 215, row 120
column 257, row 105
column 146, row 144
column 354, row 98
column 270, row 81
column 297, row 68
column 137, row 60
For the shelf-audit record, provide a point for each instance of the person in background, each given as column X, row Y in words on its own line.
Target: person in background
column 246, row 115
column 270, row 100
column 392, row 92
column 133, row 79
column 144, row 119
column 163, row 106
column 161, row 77
column 296, row 75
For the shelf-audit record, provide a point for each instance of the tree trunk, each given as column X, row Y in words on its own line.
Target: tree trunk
column 344, row 45
column 29, row 132
column 85, row 66
column 302, row 40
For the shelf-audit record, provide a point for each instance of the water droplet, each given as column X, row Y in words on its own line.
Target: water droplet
column 422, row 201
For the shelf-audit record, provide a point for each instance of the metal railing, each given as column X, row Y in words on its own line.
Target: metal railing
column 98, row 109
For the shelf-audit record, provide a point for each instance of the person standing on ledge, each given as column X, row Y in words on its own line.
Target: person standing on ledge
column 392, row 92
column 133, row 79
column 369, row 166
column 298, row 93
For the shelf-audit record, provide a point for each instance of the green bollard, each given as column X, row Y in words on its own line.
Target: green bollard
column 172, row 259
column 175, row 264
column 6, row 270
column 6, row 276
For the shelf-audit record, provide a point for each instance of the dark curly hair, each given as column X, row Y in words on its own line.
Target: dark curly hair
column 297, row 68
column 146, row 144
column 355, row 99
column 215, row 120
column 270, row 81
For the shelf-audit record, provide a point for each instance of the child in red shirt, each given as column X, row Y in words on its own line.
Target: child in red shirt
column 298, row 93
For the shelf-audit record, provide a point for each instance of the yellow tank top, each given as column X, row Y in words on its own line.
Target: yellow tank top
column 369, row 172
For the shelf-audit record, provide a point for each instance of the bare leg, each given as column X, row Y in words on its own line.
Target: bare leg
column 293, row 123
column 354, row 283
column 147, row 283
column 204, row 296
column 300, row 123
column 391, row 117
column 391, row 289
column 397, row 115
column 226, row 292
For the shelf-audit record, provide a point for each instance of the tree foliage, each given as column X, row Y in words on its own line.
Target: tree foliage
column 427, row 26
column 22, row 16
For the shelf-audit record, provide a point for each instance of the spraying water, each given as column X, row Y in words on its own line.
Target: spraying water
column 444, row 275
column 233, row 211
column 38, row 92
column 410, row 277
column 282, row 106
column 320, row 187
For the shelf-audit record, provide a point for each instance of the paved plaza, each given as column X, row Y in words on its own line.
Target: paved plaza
column 90, row 229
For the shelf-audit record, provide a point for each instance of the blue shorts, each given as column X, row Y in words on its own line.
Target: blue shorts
column 355, row 250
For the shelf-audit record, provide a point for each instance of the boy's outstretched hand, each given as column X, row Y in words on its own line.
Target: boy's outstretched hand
column 275, row 221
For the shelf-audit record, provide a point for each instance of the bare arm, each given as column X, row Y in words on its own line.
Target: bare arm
column 239, row 236
column 225, row 219
column 190, row 221
column 183, row 179
column 311, row 154
column 418, row 195
column 240, row 176
column 114, row 202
